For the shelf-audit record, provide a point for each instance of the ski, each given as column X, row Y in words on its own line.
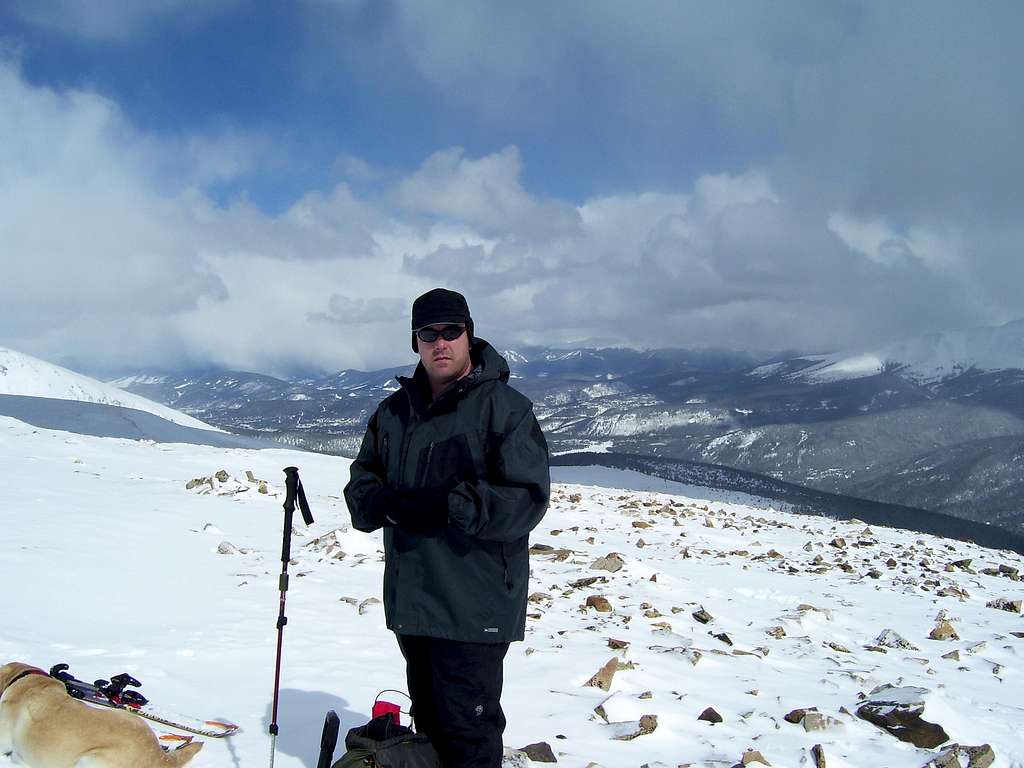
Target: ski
column 117, row 693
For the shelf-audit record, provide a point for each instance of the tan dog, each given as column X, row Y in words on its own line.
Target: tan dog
column 42, row 726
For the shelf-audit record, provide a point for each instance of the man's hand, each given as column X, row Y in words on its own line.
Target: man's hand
column 380, row 502
column 420, row 510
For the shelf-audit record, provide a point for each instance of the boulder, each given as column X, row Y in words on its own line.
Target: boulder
column 954, row 756
column 891, row 639
column 703, row 616
column 632, row 729
column 513, row 758
column 816, row 721
column 1004, row 604
column 797, row 715
column 753, row 756
column 540, row 752
column 709, row 715
column 898, row 711
column 367, row 604
column 603, row 677
column 1010, row 572
column 196, row 482
column 943, row 631
column 599, row 604
column 611, row 562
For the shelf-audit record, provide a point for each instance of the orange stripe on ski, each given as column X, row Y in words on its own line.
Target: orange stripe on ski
column 175, row 737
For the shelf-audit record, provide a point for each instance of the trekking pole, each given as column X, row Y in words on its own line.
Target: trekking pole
column 293, row 488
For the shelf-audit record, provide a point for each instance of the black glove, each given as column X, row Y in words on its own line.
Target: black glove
column 420, row 510
column 380, row 504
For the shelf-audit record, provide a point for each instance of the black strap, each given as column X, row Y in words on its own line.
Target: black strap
column 293, row 486
column 26, row 673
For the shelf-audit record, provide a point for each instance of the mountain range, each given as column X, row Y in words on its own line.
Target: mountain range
column 935, row 422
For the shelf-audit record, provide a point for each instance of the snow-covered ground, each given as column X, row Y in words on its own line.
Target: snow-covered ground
column 110, row 564
column 22, row 374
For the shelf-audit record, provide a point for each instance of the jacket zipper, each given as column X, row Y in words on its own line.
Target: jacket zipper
column 426, row 466
column 504, row 563
column 406, row 439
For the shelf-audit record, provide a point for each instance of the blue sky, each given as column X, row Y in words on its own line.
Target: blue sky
column 332, row 79
column 209, row 182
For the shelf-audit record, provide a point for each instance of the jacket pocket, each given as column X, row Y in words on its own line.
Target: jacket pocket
column 447, row 462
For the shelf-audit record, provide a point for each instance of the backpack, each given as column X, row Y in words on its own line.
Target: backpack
column 382, row 744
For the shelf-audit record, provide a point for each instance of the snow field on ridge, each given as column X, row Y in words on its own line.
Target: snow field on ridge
column 22, row 374
column 112, row 565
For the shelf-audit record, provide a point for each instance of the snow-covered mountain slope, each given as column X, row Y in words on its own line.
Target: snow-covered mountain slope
column 100, row 420
column 179, row 586
column 21, row 374
column 931, row 358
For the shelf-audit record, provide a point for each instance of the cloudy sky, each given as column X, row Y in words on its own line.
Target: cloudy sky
column 267, row 186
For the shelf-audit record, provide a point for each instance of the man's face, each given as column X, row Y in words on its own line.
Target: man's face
column 445, row 361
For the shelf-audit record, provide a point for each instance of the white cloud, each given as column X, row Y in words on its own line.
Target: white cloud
column 720, row 192
column 486, row 193
column 100, row 241
column 872, row 238
column 876, row 240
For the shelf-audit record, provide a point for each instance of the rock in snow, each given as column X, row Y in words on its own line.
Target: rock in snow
column 898, row 711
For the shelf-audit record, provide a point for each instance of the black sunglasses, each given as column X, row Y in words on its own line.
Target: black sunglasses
column 448, row 333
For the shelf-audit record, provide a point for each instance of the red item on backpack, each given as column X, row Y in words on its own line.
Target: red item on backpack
column 381, row 707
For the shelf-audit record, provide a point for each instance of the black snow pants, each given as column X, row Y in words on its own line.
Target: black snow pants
column 456, row 698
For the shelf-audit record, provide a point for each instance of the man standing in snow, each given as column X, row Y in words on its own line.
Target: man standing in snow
column 454, row 467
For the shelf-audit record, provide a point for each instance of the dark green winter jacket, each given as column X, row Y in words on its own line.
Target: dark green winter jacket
column 481, row 441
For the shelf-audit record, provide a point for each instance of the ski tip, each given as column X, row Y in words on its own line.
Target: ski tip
column 222, row 725
column 170, row 742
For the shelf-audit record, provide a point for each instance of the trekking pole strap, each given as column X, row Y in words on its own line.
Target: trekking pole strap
column 295, row 491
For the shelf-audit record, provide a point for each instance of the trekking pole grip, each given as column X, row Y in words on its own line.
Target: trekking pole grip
column 293, row 492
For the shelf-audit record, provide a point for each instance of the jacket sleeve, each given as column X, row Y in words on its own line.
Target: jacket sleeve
column 508, row 504
column 366, row 479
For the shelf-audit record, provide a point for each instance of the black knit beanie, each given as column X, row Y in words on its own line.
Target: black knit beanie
column 440, row 306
